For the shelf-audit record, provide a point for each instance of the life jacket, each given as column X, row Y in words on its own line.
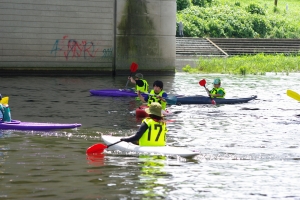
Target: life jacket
column 6, row 113
column 216, row 90
column 152, row 98
column 144, row 88
column 155, row 135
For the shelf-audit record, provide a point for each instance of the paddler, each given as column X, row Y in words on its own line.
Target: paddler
column 152, row 131
column 140, row 83
column 4, row 112
column 157, row 94
column 217, row 91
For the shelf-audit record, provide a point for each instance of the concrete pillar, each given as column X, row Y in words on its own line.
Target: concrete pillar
column 145, row 34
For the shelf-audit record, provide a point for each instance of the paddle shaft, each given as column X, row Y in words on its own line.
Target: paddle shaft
column 172, row 100
column 128, row 81
column 207, row 91
column 113, row 144
column 203, row 83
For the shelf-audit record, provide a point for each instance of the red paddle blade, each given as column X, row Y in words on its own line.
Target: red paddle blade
column 213, row 102
column 202, row 82
column 96, row 148
column 133, row 67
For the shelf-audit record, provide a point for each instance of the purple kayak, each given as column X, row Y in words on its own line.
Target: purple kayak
column 115, row 93
column 18, row 125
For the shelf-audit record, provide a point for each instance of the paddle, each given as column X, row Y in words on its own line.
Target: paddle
column 203, row 83
column 133, row 68
column 293, row 94
column 170, row 99
column 4, row 100
column 99, row 148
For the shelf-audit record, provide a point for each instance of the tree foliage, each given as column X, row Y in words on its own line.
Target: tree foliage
column 255, row 9
column 234, row 21
column 183, row 4
column 202, row 3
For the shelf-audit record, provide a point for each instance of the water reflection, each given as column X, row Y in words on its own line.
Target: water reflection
column 152, row 169
column 248, row 151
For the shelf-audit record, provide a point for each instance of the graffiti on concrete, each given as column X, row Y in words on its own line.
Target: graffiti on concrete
column 71, row 48
column 107, row 53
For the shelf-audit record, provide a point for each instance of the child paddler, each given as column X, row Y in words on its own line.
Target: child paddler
column 157, row 94
column 152, row 131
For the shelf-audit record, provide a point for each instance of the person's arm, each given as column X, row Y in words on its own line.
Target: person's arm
column 141, row 97
column 215, row 95
column 132, row 79
column 138, row 134
column 219, row 94
column 163, row 97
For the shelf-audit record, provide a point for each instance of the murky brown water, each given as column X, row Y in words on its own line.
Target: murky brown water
column 248, row 151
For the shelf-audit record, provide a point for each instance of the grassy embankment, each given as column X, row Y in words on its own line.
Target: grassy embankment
column 288, row 11
column 257, row 64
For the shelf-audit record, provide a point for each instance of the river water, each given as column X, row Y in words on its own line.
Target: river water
column 247, row 151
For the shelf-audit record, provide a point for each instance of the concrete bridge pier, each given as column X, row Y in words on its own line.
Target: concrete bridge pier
column 145, row 34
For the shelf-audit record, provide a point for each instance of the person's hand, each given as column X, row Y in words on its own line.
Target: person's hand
column 160, row 98
column 123, row 139
column 139, row 92
column 129, row 77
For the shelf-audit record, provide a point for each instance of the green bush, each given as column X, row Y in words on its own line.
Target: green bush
column 183, row 4
column 237, row 3
column 276, row 10
column 234, row 21
column 202, row 3
column 255, row 9
column 260, row 25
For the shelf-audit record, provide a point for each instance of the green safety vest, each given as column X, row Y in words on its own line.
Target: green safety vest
column 143, row 89
column 216, row 90
column 152, row 98
column 155, row 135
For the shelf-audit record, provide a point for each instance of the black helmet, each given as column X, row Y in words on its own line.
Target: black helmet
column 158, row 84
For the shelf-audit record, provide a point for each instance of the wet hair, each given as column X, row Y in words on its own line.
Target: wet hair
column 158, row 84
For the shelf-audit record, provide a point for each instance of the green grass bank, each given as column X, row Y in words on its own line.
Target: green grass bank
column 257, row 64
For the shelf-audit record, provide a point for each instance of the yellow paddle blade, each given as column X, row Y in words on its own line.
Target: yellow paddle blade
column 4, row 100
column 293, row 94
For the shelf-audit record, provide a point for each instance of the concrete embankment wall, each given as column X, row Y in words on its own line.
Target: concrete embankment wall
column 87, row 37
